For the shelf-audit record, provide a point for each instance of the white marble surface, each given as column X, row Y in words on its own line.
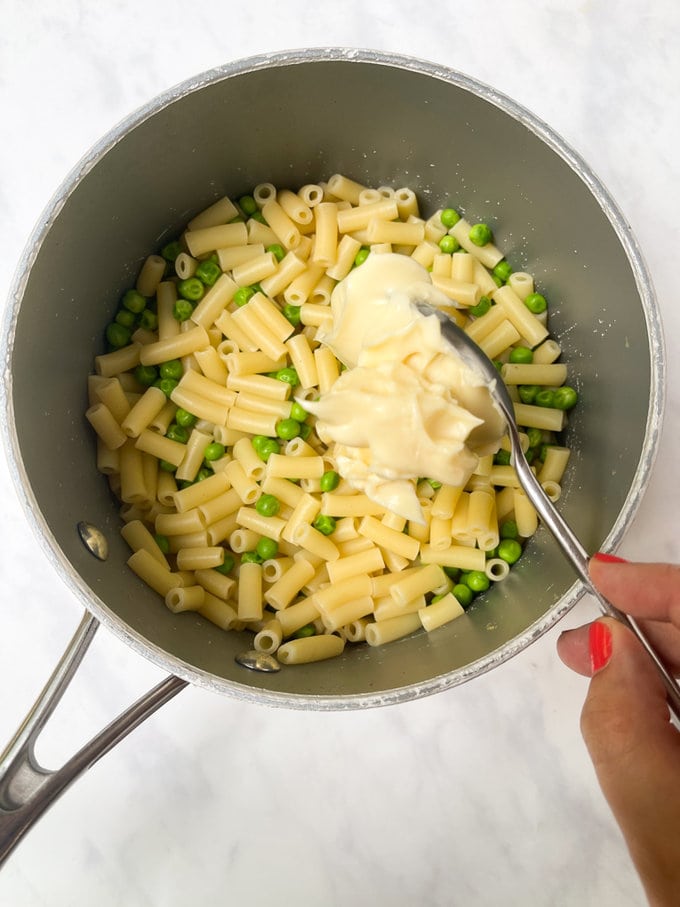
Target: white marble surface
column 479, row 796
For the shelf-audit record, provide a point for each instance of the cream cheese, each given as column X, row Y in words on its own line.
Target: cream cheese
column 407, row 406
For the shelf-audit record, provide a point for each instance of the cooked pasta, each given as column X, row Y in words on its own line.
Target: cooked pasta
column 232, row 502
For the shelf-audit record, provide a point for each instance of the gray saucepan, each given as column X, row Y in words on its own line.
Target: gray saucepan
column 383, row 120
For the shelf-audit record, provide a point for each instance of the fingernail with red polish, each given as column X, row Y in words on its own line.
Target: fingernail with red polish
column 609, row 558
column 600, row 643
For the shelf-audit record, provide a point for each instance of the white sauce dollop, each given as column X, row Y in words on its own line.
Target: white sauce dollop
column 407, row 406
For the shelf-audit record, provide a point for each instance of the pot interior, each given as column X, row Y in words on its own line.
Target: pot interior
column 293, row 121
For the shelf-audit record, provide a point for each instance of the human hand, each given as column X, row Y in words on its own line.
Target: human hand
column 625, row 720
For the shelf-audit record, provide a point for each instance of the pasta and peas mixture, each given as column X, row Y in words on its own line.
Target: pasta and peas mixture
column 238, row 503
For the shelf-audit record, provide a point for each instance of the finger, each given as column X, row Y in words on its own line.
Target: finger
column 636, row 753
column 646, row 591
column 573, row 648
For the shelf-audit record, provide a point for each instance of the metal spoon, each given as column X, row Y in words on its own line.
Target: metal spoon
column 574, row 551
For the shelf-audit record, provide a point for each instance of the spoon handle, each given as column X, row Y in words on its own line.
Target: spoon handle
column 570, row 545
column 578, row 557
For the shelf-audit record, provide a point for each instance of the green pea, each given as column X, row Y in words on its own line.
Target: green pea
column 452, row 572
column 134, row 302
column 329, row 480
column 490, row 553
column 502, row 270
column 542, row 451
column 267, row 548
column 305, row 430
column 259, row 217
column 163, row 543
column 298, row 412
column 510, row 550
column 304, row 632
column 238, row 219
column 325, row 524
column 289, row 375
column 208, row 272
column 508, row 530
column 171, row 250
column 182, row 310
column 278, row 251
column 228, row 564
column 449, row 244
column 243, row 295
column 527, row 392
column 464, row 594
column 361, row 256
column 287, row 429
column 251, row 557
column 146, row 374
column 117, row 335
column 191, row 289
column 204, row 473
column 185, row 418
column 166, row 466
column 434, row 483
column 481, row 308
column 292, row 313
column 177, row 433
column 214, row 451
column 258, row 440
column 266, row 448
column 148, row 320
column 248, row 205
column 535, row 436
column 565, row 397
column 545, row 397
column 267, row 505
column 125, row 317
column 502, row 457
column 521, row 355
column 477, row 581
column 171, row 369
column 449, row 217
column 167, row 385
column 536, row 303
column 480, row 234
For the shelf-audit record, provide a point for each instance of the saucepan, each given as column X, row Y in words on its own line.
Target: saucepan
column 291, row 119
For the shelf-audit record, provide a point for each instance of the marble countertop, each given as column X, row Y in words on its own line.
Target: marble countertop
column 482, row 795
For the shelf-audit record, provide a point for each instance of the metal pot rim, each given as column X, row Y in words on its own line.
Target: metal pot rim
column 321, row 55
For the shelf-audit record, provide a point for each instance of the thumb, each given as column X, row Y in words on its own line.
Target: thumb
column 636, row 751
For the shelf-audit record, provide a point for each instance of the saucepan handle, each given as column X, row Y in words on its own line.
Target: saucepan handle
column 26, row 788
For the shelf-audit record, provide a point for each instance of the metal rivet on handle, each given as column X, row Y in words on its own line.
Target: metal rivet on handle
column 258, row 661
column 94, row 540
